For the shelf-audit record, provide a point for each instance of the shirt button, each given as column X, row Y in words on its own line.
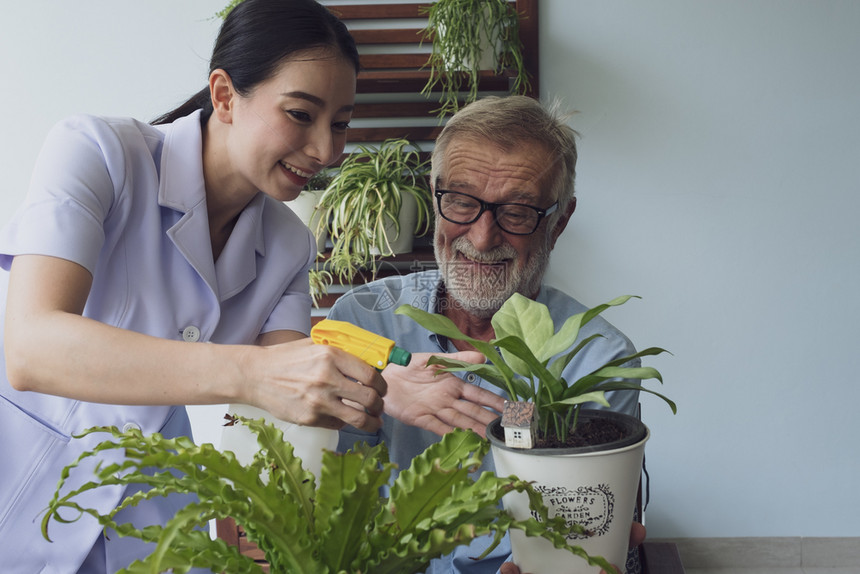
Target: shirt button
column 130, row 427
column 191, row 334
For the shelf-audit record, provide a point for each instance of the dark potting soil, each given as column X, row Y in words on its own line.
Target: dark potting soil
column 589, row 432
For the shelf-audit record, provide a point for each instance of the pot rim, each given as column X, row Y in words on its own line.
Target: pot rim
column 639, row 434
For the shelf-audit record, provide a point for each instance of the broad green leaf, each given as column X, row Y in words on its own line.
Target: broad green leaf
column 585, row 383
column 433, row 472
column 347, row 500
column 567, row 335
column 516, row 388
column 444, row 326
column 524, row 318
column 558, row 366
column 593, row 397
column 625, row 385
column 533, row 367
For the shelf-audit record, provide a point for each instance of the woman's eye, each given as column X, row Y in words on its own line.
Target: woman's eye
column 340, row 126
column 299, row 115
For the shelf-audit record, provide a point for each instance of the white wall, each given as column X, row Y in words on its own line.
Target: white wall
column 107, row 57
column 718, row 179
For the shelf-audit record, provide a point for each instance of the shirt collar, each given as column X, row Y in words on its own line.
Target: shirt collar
column 181, row 185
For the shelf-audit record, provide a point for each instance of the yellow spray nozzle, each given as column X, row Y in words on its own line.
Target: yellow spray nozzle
column 373, row 349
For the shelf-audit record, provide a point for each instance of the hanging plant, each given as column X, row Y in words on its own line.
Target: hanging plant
column 464, row 33
column 362, row 204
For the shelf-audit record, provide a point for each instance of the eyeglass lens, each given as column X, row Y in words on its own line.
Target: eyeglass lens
column 513, row 218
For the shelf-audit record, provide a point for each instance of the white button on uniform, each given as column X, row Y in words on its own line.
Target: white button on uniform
column 130, row 427
column 191, row 334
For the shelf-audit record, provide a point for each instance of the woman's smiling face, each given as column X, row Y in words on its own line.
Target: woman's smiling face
column 292, row 125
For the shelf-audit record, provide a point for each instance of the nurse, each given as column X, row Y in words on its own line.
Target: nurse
column 155, row 266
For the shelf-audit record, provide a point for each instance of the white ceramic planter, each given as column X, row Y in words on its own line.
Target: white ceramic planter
column 308, row 442
column 594, row 488
column 305, row 207
column 402, row 242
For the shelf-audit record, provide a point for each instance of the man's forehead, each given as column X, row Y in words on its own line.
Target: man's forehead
column 472, row 163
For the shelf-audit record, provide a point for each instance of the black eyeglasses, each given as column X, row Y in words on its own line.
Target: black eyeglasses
column 514, row 218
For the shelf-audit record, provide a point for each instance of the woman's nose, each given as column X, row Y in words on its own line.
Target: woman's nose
column 320, row 145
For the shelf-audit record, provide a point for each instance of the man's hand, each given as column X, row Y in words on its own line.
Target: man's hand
column 439, row 402
column 637, row 537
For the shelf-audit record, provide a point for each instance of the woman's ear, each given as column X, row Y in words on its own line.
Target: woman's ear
column 223, row 95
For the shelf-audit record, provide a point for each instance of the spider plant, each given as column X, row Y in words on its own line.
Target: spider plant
column 462, row 31
column 361, row 205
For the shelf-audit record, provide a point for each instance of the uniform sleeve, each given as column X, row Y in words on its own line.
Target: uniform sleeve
column 75, row 182
column 293, row 310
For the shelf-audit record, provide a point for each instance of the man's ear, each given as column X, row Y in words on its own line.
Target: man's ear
column 562, row 222
column 223, row 95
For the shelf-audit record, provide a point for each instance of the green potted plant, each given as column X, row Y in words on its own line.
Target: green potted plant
column 469, row 36
column 376, row 203
column 335, row 523
column 593, row 483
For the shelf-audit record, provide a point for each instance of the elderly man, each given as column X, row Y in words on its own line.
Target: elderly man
column 502, row 176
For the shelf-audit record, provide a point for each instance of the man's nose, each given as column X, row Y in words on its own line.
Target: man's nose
column 485, row 233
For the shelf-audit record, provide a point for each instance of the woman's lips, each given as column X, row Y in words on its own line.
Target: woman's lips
column 296, row 175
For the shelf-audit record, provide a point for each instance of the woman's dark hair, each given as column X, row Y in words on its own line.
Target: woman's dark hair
column 257, row 35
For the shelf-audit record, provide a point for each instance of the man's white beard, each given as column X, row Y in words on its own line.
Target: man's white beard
column 482, row 294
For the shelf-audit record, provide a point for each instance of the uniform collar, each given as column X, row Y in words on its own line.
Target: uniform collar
column 182, row 188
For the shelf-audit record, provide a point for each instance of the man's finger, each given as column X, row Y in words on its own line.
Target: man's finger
column 483, row 397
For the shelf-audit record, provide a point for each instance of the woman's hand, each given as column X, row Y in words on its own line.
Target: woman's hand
column 315, row 385
column 637, row 537
column 418, row 396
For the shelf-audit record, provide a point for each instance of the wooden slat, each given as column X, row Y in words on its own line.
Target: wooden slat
column 392, row 61
column 227, row 531
column 394, row 110
column 413, row 81
column 250, row 549
column 389, row 36
column 425, row 155
column 412, row 133
column 377, row 11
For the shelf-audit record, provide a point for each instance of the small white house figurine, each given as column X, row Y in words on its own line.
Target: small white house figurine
column 518, row 420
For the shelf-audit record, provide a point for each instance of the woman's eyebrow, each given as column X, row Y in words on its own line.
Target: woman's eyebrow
column 314, row 100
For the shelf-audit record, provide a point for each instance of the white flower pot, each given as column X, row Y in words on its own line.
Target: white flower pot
column 308, row 442
column 401, row 242
column 305, row 207
column 589, row 486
